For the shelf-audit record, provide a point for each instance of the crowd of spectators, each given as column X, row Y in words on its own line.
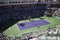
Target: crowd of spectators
column 46, row 34
column 9, row 15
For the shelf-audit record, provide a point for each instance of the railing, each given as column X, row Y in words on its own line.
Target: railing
column 27, row 2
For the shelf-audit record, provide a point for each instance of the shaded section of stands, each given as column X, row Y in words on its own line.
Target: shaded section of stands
column 9, row 15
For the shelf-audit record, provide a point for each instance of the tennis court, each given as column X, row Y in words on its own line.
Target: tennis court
column 29, row 26
column 32, row 24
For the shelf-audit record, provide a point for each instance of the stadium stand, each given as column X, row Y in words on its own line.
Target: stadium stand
column 49, row 34
column 9, row 15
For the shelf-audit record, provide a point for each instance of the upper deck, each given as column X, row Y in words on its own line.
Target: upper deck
column 17, row 2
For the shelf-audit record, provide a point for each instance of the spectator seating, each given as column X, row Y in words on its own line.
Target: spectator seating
column 9, row 15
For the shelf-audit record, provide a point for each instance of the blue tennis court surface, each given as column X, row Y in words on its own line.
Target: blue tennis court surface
column 32, row 24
